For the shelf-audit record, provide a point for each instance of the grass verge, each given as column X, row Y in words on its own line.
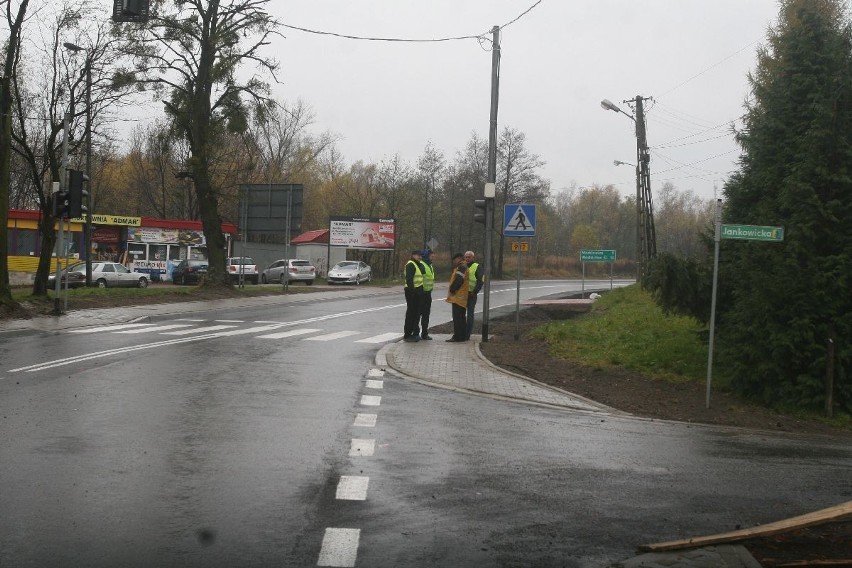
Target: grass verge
column 625, row 328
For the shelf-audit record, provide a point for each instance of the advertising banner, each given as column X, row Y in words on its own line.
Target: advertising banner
column 355, row 233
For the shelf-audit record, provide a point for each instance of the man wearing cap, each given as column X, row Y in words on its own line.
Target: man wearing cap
column 413, row 296
column 457, row 296
column 428, row 286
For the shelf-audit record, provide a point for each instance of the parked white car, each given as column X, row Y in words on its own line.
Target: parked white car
column 285, row 271
column 350, row 272
column 104, row 275
column 242, row 265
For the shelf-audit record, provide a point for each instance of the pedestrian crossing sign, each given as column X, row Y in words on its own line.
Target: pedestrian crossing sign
column 519, row 220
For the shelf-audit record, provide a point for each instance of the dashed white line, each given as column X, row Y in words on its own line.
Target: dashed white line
column 339, row 547
column 367, row 400
column 374, row 384
column 365, row 420
column 362, row 447
column 352, row 488
column 376, row 372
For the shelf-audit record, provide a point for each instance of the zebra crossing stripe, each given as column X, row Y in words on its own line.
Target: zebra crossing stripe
column 383, row 338
column 110, row 327
column 330, row 336
column 199, row 330
column 289, row 333
column 159, row 328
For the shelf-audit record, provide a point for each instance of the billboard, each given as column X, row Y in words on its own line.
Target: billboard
column 268, row 210
column 368, row 234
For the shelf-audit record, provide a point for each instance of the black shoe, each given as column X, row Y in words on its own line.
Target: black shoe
column 452, row 339
column 411, row 339
column 427, row 337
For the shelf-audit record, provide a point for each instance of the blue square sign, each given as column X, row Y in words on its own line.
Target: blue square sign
column 519, row 220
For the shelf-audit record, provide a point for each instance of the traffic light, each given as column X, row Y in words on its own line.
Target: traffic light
column 60, row 204
column 78, row 194
column 479, row 209
column 130, row 10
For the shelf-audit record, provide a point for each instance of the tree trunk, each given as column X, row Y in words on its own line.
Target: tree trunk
column 6, row 149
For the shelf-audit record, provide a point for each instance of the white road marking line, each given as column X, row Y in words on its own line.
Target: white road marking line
column 367, row 400
column 376, row 372
column 265, row 321
column 199, row 330
column 339, row 548
column 362, row 447
column 373, row 384
column 229, row 321
column 383, row 338
column 290, row 333
column 108, row 353
column 365, row 420
column 110, row 327
column 157, row 329
column 247, row 330
column 352, row 488
column 331, row 336
column 189, row 319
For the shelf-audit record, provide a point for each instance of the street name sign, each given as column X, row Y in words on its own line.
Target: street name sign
column 597, row 256
column 753, row 233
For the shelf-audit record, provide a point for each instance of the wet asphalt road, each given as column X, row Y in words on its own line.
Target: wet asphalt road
column 197, row 449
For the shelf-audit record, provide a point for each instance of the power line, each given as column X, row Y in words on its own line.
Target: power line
column 478, row 36
column 679, row 85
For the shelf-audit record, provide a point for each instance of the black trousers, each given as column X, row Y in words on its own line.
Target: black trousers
column 459, row 322
column 471, row 308
column 413, row 302
column 425, row 311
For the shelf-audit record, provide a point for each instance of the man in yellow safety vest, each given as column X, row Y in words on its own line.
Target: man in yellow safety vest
column 475, row 282
column 413, row 296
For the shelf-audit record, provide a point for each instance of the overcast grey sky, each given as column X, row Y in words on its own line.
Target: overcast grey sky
column 558, row 62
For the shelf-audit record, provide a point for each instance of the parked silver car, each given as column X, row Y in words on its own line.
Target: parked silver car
column 285, row 271
column 350, row 272
column 104, row 274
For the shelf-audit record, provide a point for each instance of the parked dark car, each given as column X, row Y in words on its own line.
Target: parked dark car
column 189, row 271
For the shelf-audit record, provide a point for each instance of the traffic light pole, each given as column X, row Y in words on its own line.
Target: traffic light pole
column 491, row 176
column 59, row 211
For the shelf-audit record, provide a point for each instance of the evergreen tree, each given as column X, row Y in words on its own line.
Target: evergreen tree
column 782, row 304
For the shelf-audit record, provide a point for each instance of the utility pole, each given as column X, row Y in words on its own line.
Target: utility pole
column 491, row 180
column 646, row 234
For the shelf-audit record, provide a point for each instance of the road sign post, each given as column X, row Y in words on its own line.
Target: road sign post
column 596, row 256
column 739, row 232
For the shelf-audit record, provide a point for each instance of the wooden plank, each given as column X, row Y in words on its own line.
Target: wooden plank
column 808, row 520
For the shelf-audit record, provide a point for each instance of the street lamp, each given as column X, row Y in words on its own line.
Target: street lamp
column 87, row 235
column 620, row 163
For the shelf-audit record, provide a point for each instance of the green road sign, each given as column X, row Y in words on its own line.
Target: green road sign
column 597, row 256
column 753, row 232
